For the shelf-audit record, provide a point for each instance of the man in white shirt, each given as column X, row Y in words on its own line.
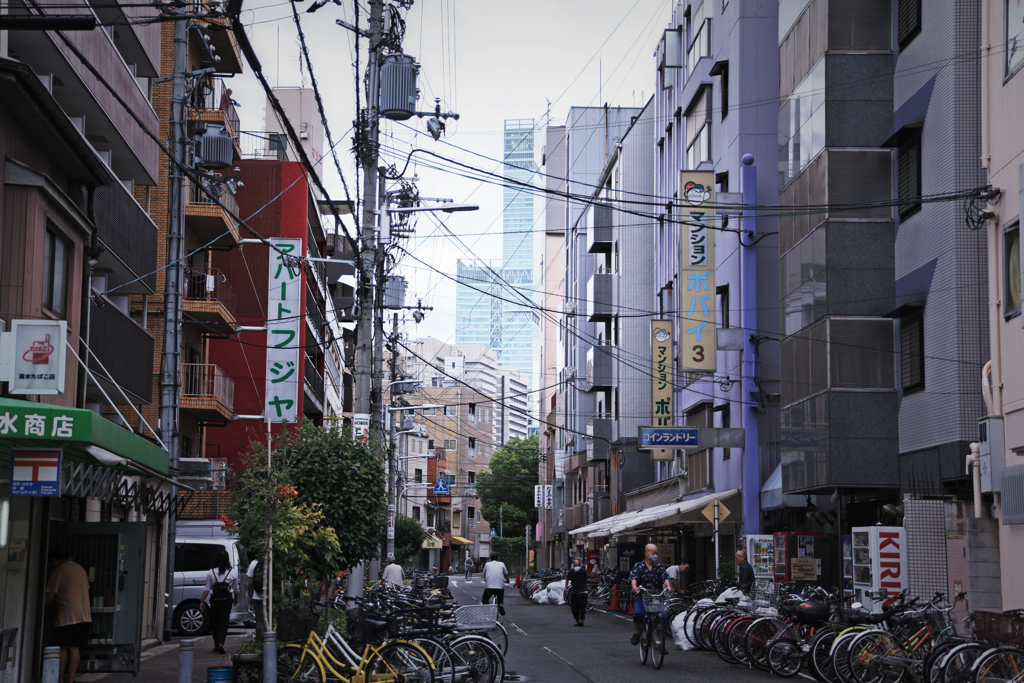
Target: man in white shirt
column 495, row 578
column 255, row 599
column 677, row 575
column 393, row 573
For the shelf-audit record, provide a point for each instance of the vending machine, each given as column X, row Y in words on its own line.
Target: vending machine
column 761, row 555
column 879, row 561
column 806, row 557
column 847, row 565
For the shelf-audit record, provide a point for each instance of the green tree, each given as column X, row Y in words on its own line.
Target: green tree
column 409, row 537
column 506, row 491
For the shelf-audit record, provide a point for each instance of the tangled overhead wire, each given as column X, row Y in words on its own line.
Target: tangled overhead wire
column 974, row 214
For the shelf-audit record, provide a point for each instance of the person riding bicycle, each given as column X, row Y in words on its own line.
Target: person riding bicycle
column 650, row 574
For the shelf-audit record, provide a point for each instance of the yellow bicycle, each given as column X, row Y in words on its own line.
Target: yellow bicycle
column 332, row 658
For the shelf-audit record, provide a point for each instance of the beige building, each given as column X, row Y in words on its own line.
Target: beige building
column 1002, row 88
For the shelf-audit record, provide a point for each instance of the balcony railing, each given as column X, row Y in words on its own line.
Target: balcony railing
column 314, row 380
column 212, row 95
column 197, row 196
column 121, row 347
column 267, row 146
column 129, row 236
column 315, row 314
column 204, row 380
column 209, row 284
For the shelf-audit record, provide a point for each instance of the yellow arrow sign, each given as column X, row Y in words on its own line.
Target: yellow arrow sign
column 709, row 511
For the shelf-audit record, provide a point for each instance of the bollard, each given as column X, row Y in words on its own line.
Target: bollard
column 185, row 648
column 51, row 664
column 269, row 656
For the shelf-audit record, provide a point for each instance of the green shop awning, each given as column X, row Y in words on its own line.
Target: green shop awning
column 85, row 437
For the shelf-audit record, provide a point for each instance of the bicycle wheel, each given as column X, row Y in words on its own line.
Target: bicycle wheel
column 933, row 662
column 299, row 665
column 479, row 658
column 645, row 641
column 784, row 658
column 444, row 668
column 758, row 638
column 399, row 662
column 719, row 638
column 658, row 647
column 690, row 626
column 841, row 657
column 868, row 654
column 736, row 638
column 821, row 664
column 1004, row 664
column 956, row 667
column 499, row 635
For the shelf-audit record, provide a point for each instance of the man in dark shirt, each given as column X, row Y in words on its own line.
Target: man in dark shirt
column 745, row 573
column 652, row 576
column 576, row 588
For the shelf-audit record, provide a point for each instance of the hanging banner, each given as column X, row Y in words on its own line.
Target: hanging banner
column 661, row 386
column 697, row 272
column 284, row 316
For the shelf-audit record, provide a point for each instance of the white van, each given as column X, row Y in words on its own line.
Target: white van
column 196, row 546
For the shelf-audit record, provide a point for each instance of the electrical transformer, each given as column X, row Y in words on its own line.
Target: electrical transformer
column 398, row 87
column 394, row 292
column 214, row 149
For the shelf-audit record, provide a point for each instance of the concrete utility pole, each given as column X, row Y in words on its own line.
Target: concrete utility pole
column 393, row 440
column 364, row 402
column 170, row 380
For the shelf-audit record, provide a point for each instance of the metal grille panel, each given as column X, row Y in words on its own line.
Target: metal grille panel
column 925, row 524
column 1013, row 495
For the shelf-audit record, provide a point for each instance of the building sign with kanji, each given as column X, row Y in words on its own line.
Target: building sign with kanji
column 35, row 357
column 697, row 272
column 661, row 385
column 35, row 472
column 284, row 317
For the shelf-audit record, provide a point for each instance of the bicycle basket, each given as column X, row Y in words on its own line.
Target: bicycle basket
column 476, row 616
column 293, row 626
column 420, row 621
column 654, row 602
column 365, row 632
column 1002, row 628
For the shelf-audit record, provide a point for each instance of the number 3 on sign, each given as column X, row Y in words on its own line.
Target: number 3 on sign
column 698, row 353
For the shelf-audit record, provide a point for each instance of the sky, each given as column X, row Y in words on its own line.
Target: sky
column 488, row 62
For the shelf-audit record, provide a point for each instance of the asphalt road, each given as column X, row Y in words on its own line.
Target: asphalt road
column 545, row 647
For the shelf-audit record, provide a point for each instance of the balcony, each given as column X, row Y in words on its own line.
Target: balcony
column 600, row 434
column 264, row 146
column 209, row 298
column 577, row 516
column 211, row 103
column 600, row 231
column 222, row 39
column 128, row 237
column 315, row 317
column 601, row 294
column 207, row 393
column 314, row 405
column 600, row 366
column 210, row 223
column 122, row 348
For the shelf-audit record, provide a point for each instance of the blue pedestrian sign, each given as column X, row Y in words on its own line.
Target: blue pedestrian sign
column 441, row 488
column 493, row 533
column 669, row 437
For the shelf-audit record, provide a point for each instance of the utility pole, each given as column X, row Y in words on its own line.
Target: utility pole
column 363, row 402
column 170, row 381
column 393, row 440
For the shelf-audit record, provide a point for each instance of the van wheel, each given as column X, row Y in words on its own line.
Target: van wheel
column 190, row 621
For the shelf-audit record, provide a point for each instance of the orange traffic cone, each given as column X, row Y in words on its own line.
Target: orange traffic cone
column 519, row 578
column 614, row 606
column 630, row 612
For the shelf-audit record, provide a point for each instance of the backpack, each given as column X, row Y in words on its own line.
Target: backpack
column 221, row 591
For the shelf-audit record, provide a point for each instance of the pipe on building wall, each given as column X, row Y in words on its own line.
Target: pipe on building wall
column 986, row 54
column 995, row 318
column 986, row 387
column 748, row 321
column 974, row 471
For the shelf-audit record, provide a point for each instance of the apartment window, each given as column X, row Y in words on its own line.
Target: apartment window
column 722, row 306
column 452, row 411
column 430, row 445
column 908, row 21
column 1013, row 36
column 417, row 476
column 435, row 381
column 451, row 480
column 721, row 69
column 55, row 282
column 450, row 444
column 700, row 37
column 429, row 412
column 910, row 176
column 698, row 467
column 472, row 412
column 416, row 512
column 471, row 477
column 912, row 351
column 1011, row 271
column 725, row 421
column 430, row 518
column 471, row 516
column 698, row 129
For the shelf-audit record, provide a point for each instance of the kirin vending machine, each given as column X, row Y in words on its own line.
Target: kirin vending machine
column 879, row 561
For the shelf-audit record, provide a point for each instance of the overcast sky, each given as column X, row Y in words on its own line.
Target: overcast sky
column 486, row 60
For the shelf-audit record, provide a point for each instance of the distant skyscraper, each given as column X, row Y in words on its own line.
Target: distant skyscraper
column 508, row 324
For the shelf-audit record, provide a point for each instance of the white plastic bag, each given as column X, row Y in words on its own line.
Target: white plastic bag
column 556, row 593
column 729, row 593
column 679, row 628
column 540, row 597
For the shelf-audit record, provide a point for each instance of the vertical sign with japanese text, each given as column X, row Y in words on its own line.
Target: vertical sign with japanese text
column 661, row 384
column 284, row 316
column 697, row 272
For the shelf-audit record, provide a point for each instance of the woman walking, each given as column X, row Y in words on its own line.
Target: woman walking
column 222, row 588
